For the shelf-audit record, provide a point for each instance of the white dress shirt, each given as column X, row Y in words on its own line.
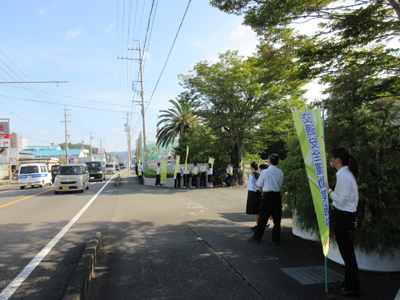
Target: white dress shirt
column 251, row 183
column 345, row 195
column 195, row 171
column 203, row 168
column 209, row 171
column 271, row 179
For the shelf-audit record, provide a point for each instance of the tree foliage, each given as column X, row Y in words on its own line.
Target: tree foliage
column 178, row 120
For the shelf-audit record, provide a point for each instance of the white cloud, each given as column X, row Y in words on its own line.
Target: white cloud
column 25, row 64
column 42, row 12
column 147, row 55
column 199, row 44
column 108, row 29
column 241, row 32
column 71, row 34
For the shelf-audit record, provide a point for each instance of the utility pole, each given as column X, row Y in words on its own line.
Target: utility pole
column 143, row 108
column 91, row 138
column 143, row 101
column 66, row 133
column 128, row 131
column 101, row 149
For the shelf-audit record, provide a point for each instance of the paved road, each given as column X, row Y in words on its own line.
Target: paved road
column 191, row 244
column 161, row 243
column 30, row 219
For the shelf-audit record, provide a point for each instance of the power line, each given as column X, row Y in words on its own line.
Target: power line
column 30, row 121
column 69, row 105
column 77, row 98
column 169, row 54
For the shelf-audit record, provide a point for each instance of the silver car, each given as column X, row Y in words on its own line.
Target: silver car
column 110, row 168
column 72, row 178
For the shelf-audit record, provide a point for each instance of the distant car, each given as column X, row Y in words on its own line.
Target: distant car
column 35, row 174
column 97, row 171
column 72, row 178
column 110, row 168
column 121, row 165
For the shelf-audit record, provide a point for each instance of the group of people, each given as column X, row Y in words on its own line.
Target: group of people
column 205, row 172
column 264, row 200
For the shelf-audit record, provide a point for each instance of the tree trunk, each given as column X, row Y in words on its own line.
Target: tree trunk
column 239, row 177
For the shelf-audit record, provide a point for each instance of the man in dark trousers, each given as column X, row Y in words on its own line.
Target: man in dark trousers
column 158, row 181
column 270, row 183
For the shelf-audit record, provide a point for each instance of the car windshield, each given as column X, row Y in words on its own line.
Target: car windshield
column 70, row 170
column 94, row 164
column 121, row 164
column 109, row 166
column 29, row 170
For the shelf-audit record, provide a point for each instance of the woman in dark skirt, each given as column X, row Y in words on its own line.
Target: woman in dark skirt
column 253, row 195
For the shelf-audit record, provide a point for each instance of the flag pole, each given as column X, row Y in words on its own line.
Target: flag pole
column 326, row 259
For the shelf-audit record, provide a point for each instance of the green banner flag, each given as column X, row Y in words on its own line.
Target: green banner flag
column 187, row 155
column 139, row 168
column 176, row 165
column 163, row 167
column 211, row 161
column 311, row 137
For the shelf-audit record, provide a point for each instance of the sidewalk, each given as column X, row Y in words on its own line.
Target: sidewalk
column 9, row 186
column 192, row 244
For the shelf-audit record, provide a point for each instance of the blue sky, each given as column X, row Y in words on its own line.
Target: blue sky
column 79, row 42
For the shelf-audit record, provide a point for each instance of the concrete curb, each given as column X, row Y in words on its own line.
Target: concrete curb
column 79, row 285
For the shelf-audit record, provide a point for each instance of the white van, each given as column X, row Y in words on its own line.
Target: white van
column 34, row 174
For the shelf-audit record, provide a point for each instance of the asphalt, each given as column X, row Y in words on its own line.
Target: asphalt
column 192, row 244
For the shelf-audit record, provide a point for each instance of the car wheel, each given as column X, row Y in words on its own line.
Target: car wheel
column 82, row 190
column 21, row 187
column 56, row 192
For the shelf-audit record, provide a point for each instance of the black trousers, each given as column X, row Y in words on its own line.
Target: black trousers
column 203, row 179
column 158, row 179
column 194, row 180
column 229, row 180
column 345, row 225
column 271, row 205
column 186, row 180
column 178, row 180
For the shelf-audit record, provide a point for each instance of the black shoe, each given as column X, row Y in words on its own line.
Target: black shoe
column 337, row 285
column 347, row 293
column 274, row 243
column 254, row 228
column 268, row 225
column 253, row 240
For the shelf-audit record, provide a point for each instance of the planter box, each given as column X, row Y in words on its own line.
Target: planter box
column 306, row 235
column 366, row 261
column 152, row 181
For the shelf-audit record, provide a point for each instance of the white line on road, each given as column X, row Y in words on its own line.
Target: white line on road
column 13, row 286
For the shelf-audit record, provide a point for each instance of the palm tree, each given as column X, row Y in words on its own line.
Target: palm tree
column 177, row 120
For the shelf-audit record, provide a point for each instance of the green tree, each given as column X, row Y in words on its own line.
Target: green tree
column 230, row 95
column 176, row 121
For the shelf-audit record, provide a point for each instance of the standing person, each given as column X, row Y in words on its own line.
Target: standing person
column 345, row 201
column 262, row 167
column 158, row 178
column 270, row 183
column 253, row 194
column 210, row 176
column 186, row 177
column 203, row 169
column 229, row 173
column 178, row 177
column 195, row 173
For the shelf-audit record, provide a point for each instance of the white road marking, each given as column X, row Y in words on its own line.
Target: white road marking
column 13, row 286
